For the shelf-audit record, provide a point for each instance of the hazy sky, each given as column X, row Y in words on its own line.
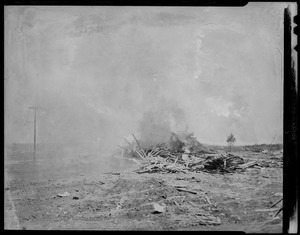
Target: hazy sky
column 99, row 74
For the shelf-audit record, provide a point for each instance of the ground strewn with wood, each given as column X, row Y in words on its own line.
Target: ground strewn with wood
column 245, row 198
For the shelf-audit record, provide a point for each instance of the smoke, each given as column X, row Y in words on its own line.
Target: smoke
column 98, row 75
column 160, row 121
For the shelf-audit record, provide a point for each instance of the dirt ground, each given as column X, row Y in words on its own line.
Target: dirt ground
column 240, row 201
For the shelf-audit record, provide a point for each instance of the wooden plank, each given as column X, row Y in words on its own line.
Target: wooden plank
column 186, row 190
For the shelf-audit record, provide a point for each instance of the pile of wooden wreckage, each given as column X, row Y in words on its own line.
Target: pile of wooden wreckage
column 186, row 154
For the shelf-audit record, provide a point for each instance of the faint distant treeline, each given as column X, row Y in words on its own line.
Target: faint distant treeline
column 254, row 148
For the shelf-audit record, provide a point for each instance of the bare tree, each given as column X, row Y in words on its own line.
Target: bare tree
column 230, row 141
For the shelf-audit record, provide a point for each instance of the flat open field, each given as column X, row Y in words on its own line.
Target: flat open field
column 109, row 195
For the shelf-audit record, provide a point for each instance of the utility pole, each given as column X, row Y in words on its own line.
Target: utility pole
column 34, row 133
column 271, row 146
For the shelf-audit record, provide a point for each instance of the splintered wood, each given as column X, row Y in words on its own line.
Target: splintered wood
column 192, row 157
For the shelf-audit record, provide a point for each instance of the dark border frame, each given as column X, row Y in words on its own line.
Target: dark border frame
column 290, row 127
column 290, row 174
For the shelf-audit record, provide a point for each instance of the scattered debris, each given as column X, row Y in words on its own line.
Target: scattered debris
column 182, row 200
column 186, row 190
column 278, row 212
column 179, row 186
column 266, row 210
column 188, row 179
column 136, row 161
column 271, row 222
column 65, row 194
column 176, row 200
column 113, row 173
column 247, row 165
column 207, row 199
column 268, row 163
column 158, row 208
column 207, row 219
column 276, row 203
